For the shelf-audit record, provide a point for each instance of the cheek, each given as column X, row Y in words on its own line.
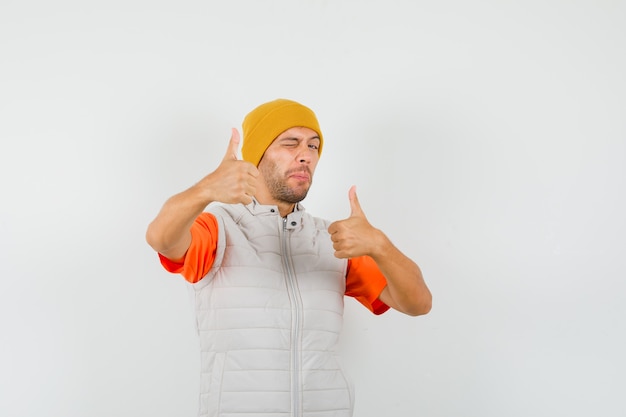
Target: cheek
column 315, row 160
column 280, row 159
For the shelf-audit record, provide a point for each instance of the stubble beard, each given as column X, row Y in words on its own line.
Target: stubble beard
column 277, row 183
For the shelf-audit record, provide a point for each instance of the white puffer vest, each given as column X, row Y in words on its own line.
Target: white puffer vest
column 269, row 314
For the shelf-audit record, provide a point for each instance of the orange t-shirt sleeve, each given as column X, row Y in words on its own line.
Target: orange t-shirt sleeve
column 365, row 282
column 201, row 253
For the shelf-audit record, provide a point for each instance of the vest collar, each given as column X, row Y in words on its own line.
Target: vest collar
column 258, row 209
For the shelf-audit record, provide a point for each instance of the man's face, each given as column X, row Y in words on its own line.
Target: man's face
column 289, row 162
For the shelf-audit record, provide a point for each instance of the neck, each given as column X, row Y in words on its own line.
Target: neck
column 285, row 208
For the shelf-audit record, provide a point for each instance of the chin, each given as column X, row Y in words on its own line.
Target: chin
column 298, row 195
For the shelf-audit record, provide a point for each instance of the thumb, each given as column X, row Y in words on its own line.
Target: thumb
column 355, row 207
column 233, row 146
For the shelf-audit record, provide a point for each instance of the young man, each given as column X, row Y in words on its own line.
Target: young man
column 270, row 279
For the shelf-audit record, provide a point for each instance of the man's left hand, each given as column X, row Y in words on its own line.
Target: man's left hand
column 354, row 236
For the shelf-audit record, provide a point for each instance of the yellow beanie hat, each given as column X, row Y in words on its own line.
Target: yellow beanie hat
column 263, row 124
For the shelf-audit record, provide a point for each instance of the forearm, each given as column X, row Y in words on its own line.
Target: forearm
column 169, row 233
column 406, row 290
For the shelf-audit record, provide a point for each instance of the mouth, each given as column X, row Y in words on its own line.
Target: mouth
column 300, row 175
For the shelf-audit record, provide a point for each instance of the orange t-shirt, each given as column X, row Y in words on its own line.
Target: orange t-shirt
column 364, row 280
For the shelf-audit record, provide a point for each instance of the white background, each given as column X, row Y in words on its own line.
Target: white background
column 486, row 138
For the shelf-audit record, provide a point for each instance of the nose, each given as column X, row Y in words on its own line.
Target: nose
column 303, row 155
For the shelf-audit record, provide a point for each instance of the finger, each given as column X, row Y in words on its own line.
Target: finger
column 252, row 170
column 355, row 207
column 233, row 146
column 334, row 228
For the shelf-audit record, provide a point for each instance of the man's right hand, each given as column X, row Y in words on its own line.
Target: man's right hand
column 234, row 181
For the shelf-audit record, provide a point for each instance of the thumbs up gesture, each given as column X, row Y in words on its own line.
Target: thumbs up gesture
column 353, row 236
column 234, row 181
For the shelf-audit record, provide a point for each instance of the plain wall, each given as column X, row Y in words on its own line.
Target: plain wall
column 486, row 138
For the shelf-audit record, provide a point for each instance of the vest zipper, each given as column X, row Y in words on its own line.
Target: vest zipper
column 296, row 312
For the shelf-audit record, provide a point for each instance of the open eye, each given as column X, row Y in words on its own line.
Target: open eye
column 314, row 146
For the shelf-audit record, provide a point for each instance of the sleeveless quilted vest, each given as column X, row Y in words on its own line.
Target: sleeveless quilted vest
column 269, row 314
